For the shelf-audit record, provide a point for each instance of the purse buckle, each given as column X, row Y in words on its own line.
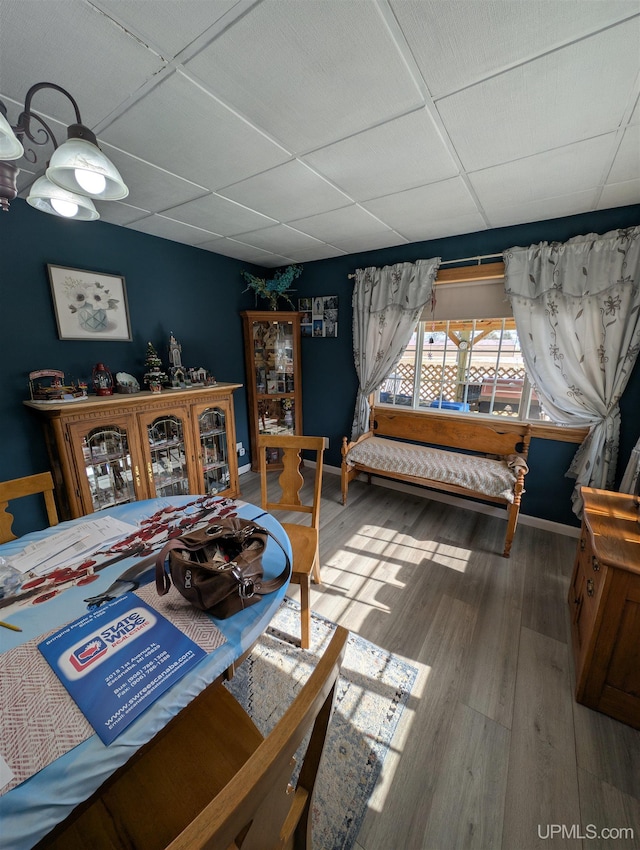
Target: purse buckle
column 246, row 586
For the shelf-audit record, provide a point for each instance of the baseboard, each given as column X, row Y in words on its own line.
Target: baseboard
column 457, row 501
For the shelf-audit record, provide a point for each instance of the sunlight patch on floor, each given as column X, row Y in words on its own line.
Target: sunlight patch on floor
column 401, row 740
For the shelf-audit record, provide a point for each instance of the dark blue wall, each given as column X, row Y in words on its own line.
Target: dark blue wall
column 198, row 295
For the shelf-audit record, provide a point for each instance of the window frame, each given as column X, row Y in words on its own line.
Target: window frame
column 540, row 428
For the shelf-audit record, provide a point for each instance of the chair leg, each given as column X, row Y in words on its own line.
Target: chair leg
column 305, row 613
column 316, row 568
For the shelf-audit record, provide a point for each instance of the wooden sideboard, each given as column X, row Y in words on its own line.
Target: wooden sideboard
column 122, row 448
column 604, row 600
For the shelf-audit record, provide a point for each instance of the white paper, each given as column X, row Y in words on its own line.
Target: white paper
column 65, row 547
column 6, row 774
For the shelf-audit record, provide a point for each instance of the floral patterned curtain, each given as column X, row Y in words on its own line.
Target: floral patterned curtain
column 577, row 308
column 387, row 303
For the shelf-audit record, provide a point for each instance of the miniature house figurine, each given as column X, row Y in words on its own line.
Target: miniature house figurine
column 175, row 351
column 176, row 369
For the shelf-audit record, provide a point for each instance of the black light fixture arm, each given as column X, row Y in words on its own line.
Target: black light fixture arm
column 23, row 127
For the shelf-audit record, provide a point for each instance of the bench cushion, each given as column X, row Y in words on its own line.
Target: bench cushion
column 479, row 474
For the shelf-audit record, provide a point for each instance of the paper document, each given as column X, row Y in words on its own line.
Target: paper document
column 69, row 546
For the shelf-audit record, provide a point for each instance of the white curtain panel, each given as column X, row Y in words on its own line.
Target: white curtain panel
column 387, row 303
column 631, row 479
column 577, row 307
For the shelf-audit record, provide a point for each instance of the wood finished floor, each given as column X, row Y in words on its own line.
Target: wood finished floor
column 492, row 751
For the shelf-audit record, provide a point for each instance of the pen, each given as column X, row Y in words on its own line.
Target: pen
column 10, row 626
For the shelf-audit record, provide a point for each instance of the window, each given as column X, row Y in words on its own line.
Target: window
column 468, row 366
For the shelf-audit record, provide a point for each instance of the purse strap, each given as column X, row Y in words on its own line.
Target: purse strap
column 163, row 582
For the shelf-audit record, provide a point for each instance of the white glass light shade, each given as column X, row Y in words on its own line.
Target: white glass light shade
column 44, row 194
column 10, row 147
column 81, row 155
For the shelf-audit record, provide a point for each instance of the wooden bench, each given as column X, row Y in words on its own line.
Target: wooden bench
column 491, row 466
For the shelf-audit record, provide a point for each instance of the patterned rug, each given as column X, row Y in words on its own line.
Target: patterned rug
column 373, row 690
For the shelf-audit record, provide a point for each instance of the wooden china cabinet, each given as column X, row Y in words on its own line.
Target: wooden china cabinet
column 604, row 601
column 122, row 448
column 272, row 360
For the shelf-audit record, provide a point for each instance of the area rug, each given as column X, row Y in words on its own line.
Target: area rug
column 373, row 690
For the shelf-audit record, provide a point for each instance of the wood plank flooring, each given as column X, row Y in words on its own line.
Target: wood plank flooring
column 493, row 752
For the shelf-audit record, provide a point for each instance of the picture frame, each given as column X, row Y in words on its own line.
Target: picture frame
column 89, row 305
column 319, row 316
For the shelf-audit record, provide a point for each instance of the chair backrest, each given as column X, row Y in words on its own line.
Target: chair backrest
column 16, row 489
column 256, row 808
column 290, row 480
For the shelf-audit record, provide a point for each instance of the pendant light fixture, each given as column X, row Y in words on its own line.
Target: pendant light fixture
column 78, row 170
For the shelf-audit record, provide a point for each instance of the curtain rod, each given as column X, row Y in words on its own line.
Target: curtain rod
column 478, row 257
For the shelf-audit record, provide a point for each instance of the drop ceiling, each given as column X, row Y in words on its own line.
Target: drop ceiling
column 283, row 131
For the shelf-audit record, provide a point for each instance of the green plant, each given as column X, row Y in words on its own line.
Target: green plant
column 275, row 288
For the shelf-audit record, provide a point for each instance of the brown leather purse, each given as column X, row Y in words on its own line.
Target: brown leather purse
column 219, row 568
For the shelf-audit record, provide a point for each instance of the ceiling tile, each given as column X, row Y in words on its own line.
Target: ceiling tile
column 322, row 252
column 620, row 194
column 151, row 188
column 167, row 228
column 544, row 209
column 337, row 226
column 287, row 192
column 363, row 167
column 159, row 29
column 117, row 212
column 247, row 253
column 559, row 172
column 185, row 131
column 386, row 239
column 626, row 165
column 418, row 213
column 493, row 34
column 220, row 214
column 309, row 72
column 75, row 46
column 572, row 94
column 281, row 239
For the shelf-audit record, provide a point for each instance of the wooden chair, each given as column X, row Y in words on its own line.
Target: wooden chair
column 304, row 538
column 211, row 781
column 41, row 483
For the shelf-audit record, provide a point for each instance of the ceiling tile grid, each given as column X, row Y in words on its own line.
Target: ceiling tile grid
column 280, row 131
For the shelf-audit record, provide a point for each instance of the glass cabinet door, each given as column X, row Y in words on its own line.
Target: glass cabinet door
column 273, row 358
column 214, row 451
column 108, row 466
column 167, row 471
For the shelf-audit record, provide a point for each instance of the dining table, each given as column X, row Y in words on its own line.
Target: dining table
column 51, row 758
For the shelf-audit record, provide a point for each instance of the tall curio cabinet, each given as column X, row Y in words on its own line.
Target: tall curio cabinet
column 110, row 450
column 272, row 358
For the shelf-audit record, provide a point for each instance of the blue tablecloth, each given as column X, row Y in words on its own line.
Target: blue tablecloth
column 30, row 810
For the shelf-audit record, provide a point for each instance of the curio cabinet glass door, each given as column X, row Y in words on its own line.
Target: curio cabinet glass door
column 215, row 434
column 109, row 455
column 272, row 357
column 167, row 451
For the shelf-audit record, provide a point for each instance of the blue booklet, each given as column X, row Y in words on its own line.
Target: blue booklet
column 117, row 660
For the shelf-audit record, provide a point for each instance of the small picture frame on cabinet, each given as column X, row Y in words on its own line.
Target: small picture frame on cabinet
column 89, row 305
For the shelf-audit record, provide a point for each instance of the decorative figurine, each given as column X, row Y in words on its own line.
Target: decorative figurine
column 102, row 380
column 55, row 390
column 154, row 377
column 126, row 383
column 177, row 373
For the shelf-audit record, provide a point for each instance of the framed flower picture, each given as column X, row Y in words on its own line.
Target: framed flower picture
column 89, row 305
